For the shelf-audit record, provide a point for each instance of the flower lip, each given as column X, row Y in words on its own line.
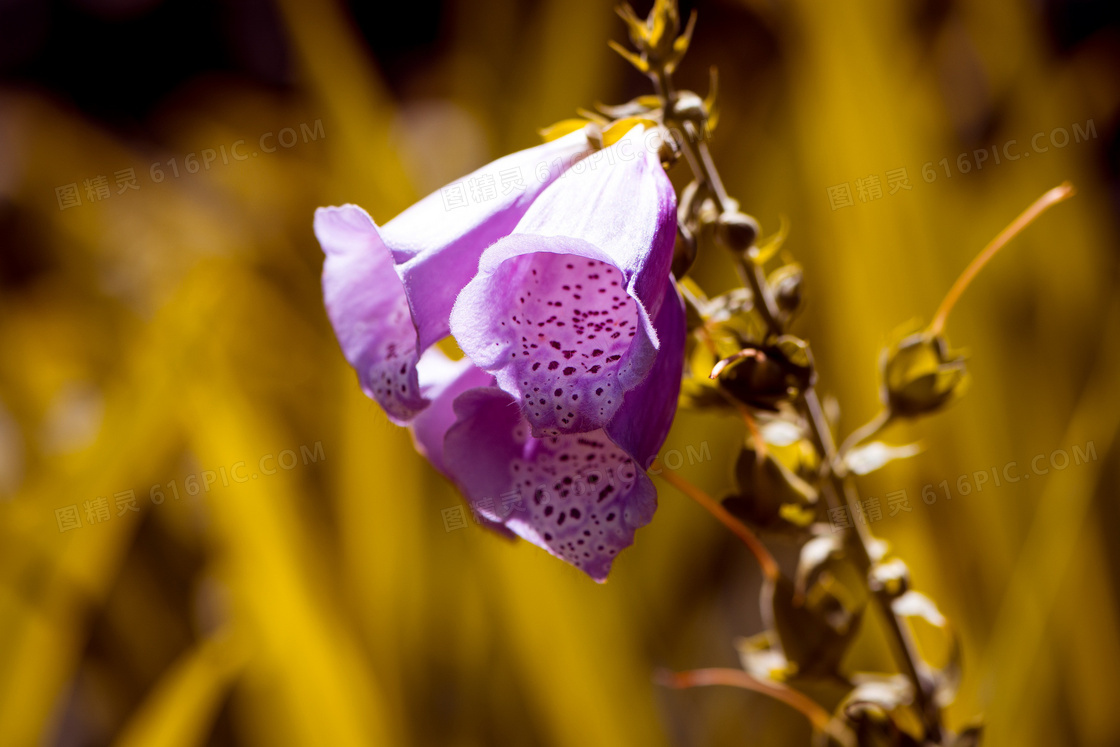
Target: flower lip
column 371, row 318
column 560, row 326
column 578, row 496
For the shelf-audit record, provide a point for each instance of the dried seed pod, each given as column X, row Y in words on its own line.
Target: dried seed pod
column 787, row 284
column 920, row 375
column 736, row 231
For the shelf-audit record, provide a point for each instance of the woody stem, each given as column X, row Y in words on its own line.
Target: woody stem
column 835, row 487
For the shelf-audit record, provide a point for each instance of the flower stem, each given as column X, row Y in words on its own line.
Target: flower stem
column 864, row 432
column 742, row 531
column 835, row 488
column 1058, row 194
column 818, row 717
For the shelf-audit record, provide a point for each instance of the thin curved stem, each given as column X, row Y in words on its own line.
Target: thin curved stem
column 864, row 432
column 1058, row 194
column 742, row 531
column 820, row 718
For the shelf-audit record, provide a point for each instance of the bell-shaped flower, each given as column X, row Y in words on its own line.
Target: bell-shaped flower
column 563, row 302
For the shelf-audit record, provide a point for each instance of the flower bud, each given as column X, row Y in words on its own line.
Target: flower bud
column 766, row 377
column 920, row 375
column 688, row 107
column 892, row 577
column 786, row 282
column 736, row 231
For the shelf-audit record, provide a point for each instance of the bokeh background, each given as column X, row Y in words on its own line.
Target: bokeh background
column 169, row 328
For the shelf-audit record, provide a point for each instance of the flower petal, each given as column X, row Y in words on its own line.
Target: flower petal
column 560, row 309
column 642, row 423
column 367, row 306
column 441, row 381
column 438, row 244
column 389, row 290
column 578, row 496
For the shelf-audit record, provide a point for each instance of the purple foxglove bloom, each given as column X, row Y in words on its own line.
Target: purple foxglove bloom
column 389, row 289
column 562, row 300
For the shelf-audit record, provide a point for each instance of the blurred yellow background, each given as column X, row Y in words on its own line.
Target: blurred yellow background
column 287, row 571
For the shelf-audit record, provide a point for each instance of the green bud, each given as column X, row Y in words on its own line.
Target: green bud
column 754, row 378
column 920, row 375
column 736, row 231
column 786, row 282
column 765, row 377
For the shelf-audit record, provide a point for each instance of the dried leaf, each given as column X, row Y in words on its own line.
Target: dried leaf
column 870, row 457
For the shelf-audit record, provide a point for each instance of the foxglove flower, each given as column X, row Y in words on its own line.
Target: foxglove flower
column 563, row 303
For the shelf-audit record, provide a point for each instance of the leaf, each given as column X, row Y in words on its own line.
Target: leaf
column 814, row 554
column 764, row 251
column 615, row 131
column 636, row 106
column 711, row 100
column 562, row 128
column 635, row 60
column 780, row 432
column 870, row 457
column 761, row 656
column 915, row 604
